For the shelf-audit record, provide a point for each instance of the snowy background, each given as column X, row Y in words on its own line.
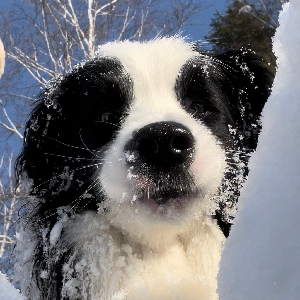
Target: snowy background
column 7, row 291
column 261, row 258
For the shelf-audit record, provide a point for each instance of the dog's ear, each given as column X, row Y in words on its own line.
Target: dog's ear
column 2, row 58
column 247, row 86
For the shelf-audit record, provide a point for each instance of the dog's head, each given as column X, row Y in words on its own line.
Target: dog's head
column 147, row 133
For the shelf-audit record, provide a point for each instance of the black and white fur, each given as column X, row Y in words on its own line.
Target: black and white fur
column 135, row 159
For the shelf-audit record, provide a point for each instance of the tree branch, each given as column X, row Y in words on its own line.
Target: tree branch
column 12, row 125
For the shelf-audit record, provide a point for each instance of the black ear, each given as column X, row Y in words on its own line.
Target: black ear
column 248, row 85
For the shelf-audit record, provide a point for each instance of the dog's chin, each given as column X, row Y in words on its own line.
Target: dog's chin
column 167, row 207
column 156, row 222
column 172, row 210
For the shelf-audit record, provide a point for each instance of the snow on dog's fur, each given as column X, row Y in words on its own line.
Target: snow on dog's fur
column 134, row 160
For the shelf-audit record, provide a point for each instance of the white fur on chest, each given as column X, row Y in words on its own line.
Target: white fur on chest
column 115, row 267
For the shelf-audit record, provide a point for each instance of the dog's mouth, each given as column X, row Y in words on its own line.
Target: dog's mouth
column 166, row 192
column 166, row 208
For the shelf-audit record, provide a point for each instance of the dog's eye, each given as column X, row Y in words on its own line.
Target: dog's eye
column 107, row 117
column 195, row 105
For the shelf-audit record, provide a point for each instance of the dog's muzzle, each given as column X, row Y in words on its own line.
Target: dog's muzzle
column 159, row 156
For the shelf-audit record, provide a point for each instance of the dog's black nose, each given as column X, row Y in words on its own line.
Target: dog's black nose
column 162, row 145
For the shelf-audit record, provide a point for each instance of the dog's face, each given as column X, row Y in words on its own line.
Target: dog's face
column 149, row 134
column 157, row 170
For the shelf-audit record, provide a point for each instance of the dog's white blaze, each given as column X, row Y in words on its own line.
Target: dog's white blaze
column 153, row 67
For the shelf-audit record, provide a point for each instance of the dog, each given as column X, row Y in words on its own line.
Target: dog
column 133, row 161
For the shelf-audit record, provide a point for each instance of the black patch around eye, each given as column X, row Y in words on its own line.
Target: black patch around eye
column 92, row 101
column 195, row 91
column 200, row 89
column 99, row 86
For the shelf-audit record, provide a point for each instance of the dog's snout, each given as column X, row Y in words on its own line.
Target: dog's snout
column 163, row 144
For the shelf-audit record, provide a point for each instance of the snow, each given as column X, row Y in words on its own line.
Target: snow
column 7, row 291
column 261, row 257
column 246, row 9
column 55, row 233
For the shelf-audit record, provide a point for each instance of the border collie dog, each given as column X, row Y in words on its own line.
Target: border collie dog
column 134, row 160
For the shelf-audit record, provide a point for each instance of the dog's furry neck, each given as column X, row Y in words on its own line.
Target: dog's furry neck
column 110, row 264
column 176, row 267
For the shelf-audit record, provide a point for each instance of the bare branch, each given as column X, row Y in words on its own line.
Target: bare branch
column 12, row 126
column 45, row 33
column 126, row 22
column 9, row 199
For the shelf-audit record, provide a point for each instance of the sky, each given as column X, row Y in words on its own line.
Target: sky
column 205, row 18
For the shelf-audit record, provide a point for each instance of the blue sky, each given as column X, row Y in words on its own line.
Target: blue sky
column 4, row 4
column 204, row 18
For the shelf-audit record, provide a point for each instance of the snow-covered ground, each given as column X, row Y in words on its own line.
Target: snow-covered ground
column 261, row 259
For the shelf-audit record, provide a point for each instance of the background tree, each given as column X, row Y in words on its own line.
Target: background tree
column 249, row 24
column 45, row 38
column 9, row 207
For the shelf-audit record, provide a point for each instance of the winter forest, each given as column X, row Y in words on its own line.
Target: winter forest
column 260, row 258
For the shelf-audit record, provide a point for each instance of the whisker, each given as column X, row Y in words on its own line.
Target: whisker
column 57, row 176
column 87, row 148
column 107, row 123
column 90, row 200
column 71, row 157
column 77, row 200
column 60, row 142
column 65, row 144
